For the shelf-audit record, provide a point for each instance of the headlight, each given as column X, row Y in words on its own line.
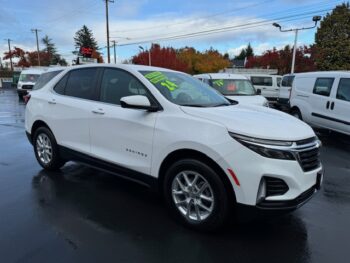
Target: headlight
column 266, row 148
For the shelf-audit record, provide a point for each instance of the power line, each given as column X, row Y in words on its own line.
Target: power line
column 311, row 6
column 192, row 19
column 228, row 28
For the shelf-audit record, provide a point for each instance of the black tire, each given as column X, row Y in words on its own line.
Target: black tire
column 296, row 113
column 56, row 162
column 221, row 206
column 20, row 97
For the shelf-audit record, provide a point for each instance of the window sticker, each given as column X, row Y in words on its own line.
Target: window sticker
column 219, row 82
column 158, row 77
column 231, row 87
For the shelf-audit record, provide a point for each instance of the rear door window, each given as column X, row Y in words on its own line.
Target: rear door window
column 323, row 86
column 343, row 92
column 81, row 83
column 262, row 81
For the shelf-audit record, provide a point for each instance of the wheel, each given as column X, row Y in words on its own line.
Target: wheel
column 196, row 195
column 297, row 114
column 46, row 149
column 20, row 97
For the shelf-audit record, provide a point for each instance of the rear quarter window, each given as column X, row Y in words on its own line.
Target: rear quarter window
column 45, row 78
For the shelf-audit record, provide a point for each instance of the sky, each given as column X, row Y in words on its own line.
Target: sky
column 225, row 25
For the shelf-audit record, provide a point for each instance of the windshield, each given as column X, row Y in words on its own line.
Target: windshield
column 233, row 86
column 29, row 77
column 45, row 78
column 185, row 90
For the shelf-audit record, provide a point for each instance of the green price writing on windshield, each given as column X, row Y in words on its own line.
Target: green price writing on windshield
column 158, row 77
column 219, row 82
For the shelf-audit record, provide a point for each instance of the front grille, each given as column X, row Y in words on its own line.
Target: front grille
column 27, row 86
column 275, row 186
column 306, row 141
column 310, row 159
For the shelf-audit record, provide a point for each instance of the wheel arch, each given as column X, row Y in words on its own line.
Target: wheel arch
column 197, row 155
column 37, row 124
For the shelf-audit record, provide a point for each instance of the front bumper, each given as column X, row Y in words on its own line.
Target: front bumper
column 250, row 168
column 22, row 92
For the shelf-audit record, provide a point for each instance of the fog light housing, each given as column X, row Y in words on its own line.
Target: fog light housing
column 261, row 191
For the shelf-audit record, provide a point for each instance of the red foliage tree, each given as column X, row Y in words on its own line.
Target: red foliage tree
column 282, row 59
column 165, row 57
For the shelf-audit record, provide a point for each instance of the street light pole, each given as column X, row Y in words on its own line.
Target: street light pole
column 37, row 42
column 9, row 44
column 107, row 28
column 294, row 49
column 296, row 30
column 149, row 55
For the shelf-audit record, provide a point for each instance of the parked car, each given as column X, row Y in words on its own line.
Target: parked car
column 27, row 80
column 235, row 87
column 322, row 99
column 285, row 91
column 268, row 84
column 169, row 131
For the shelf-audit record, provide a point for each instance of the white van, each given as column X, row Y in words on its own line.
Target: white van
column 268, row 84
column 235, row 87
column 27, row 80
column 322, row 99
column 284, row 92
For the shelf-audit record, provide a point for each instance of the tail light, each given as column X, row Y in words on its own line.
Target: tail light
column 26, row 98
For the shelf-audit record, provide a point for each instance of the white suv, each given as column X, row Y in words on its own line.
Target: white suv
column 167, row 130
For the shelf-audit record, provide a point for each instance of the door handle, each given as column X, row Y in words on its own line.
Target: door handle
column 52, row 101
column 332, row 105
column 98, row 111
column 327, row 105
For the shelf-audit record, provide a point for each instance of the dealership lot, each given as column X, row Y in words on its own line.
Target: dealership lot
column 83, row 215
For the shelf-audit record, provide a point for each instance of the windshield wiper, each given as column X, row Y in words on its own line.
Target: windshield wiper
column 193, row 105
column 221, row 104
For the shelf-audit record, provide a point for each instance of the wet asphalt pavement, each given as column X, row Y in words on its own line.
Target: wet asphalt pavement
column 84, row 215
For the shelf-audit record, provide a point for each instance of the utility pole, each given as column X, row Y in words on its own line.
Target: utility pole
column 37, row 42
column 107, row 27
column 296, row 30
column 9, row 44
column 115, row 56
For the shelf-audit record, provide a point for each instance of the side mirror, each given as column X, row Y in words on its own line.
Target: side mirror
column 138, row 102
column 258, row 92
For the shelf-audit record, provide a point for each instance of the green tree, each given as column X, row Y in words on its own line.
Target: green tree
column 85, row 38
column 242, row 55
column 53, row 58
column 249, row 51
column 333, row 40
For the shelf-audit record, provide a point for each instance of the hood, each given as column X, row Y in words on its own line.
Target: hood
column 250, row 100
column 255, row 121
